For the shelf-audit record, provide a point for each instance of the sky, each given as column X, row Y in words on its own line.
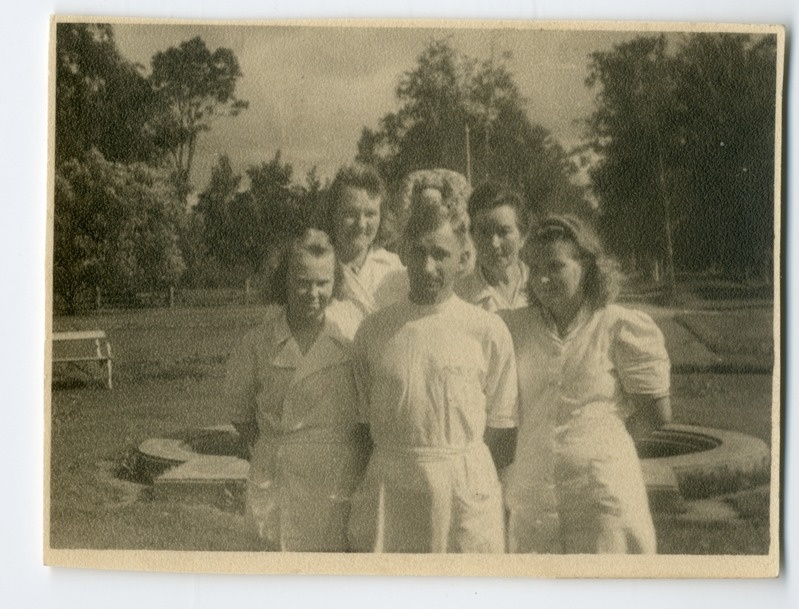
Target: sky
column 311, row 90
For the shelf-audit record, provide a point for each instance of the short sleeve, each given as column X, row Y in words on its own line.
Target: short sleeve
column 241, row 383
column 501, row 387
column 639, row 355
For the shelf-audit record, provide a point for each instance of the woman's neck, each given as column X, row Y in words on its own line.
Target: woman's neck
column 506, row 280
column 566, row 317
column 354, row 258
column 305, row 331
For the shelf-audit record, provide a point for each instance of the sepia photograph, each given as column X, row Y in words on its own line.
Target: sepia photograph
column 496, row 298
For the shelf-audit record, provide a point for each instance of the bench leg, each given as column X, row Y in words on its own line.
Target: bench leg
column 110, row 384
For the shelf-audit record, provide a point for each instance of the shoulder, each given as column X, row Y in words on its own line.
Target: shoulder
column 381, row 319
column 621, row 318
column 633, row 331
column 263, row 333
column 385, row 258
column 345, row 317
column 487, row 323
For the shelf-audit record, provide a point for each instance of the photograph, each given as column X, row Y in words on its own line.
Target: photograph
column 397, row 297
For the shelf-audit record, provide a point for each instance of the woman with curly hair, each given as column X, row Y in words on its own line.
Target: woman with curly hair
column 584, row 366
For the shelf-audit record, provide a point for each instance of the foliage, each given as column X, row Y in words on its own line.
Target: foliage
column 116, row 228
column 684, row 129
column 445, row 94
column 101, row 99
column 236, row 231
column 194, row 86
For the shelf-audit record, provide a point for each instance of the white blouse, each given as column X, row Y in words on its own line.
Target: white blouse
column 381, row 281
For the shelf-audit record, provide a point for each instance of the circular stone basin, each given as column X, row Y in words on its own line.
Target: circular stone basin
column 679, row 462
column 672, row 443
column 704, row 461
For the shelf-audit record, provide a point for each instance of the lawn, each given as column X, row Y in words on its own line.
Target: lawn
column 168, row 378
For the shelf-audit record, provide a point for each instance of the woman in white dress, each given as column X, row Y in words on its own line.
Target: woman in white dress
column 584, row 366
column 499, row 279
column 291, row 394
column 370, row 276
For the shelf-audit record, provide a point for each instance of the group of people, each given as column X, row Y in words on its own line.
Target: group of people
column 427, row 401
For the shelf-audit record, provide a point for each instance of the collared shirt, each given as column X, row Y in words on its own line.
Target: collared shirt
column 475, row 288
column 381, row 281
column 272, row 382
column 306, row 461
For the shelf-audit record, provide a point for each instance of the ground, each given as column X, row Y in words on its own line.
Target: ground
column 169, row 366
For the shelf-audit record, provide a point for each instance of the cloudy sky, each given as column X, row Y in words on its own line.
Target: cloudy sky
column 312, row 90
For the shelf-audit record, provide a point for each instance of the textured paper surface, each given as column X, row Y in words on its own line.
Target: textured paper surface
column 488, row 565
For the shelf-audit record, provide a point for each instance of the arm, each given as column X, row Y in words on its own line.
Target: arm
column 501, row 392
column 650, row 413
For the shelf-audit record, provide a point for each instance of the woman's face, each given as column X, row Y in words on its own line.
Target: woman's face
column 497, row 238
column 309, row 286
column 556, row 274
column 357, row 220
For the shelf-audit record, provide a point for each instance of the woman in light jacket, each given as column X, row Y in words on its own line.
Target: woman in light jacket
column 291, row 393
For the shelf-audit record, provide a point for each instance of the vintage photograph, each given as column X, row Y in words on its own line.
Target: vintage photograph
column 480, row 298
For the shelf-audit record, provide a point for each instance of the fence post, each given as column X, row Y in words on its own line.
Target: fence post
column 97, row 300
column 247, row 291
column 171, row 297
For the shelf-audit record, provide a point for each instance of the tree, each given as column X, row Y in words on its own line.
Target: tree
column 194, row 87
column 684, row 129
column 102, row 100
column 726, row 98
column 116, row 228
column 241, row 228
column 634, row 133
column 445, row 94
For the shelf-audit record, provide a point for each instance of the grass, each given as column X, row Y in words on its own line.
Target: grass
column 168, row 379
column 733, row 332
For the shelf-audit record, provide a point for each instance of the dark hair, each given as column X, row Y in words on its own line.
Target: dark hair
column 491, row 195
column 602, row 277
column 361, row 177
column 307, row 240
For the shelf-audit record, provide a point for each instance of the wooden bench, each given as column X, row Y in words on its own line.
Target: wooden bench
column 101, row 351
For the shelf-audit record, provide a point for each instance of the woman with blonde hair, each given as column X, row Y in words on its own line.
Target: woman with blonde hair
column 584, row 366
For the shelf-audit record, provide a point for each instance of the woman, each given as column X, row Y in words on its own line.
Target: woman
column 499, row 278
column 371, row 277
column 575, row 485
column 291, row 390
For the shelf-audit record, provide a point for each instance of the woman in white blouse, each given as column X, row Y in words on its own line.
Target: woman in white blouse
column 588, row 370
column 370, row 276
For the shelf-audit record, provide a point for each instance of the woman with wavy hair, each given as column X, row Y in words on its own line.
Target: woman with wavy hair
column 369, row 276
column 588, row 369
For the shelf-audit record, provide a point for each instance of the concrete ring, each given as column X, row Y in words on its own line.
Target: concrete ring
column 701, row 462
